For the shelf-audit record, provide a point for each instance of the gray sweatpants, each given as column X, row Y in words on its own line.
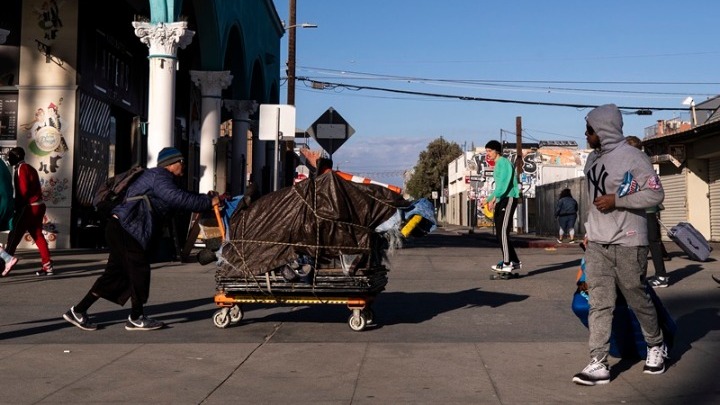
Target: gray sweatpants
column 608, row 266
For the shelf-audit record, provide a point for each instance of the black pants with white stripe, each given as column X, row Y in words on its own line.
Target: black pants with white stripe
column 503, row 217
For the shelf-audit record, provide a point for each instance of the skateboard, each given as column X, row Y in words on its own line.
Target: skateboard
column 503, row 275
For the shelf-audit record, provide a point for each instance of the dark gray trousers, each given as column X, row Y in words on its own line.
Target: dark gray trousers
column 612, row 267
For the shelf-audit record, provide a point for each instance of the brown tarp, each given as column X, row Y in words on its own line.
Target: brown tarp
column 320, row 218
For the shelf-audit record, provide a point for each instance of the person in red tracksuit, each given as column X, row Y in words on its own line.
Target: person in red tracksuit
column 29, row 209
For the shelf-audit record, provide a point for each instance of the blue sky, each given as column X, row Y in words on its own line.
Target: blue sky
column 637, row 53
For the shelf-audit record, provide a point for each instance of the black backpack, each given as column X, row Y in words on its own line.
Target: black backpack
column 112, row 192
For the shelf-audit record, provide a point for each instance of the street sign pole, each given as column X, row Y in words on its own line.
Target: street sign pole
column 278, row 134
column 277, row 122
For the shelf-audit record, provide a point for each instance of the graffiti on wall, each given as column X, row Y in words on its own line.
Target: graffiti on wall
column 49, row 231
column 48, row 18
column 47, row 144
column 482, row 169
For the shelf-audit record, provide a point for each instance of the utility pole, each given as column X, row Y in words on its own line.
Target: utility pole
column 518, row 144
column 519, row 168
column 291, row 53
column 288, row 156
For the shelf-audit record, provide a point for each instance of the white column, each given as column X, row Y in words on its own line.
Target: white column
column 241, row 111
column 163, row 40
column 211, row 85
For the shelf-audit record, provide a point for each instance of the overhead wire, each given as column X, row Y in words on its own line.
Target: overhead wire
column 514, row 83
column 640, row 110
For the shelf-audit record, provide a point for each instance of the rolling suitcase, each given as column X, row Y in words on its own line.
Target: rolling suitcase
column 692, row 242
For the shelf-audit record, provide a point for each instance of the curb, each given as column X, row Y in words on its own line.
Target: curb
column 519, row 241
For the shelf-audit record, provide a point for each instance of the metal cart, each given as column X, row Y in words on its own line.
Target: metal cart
column 322, row 286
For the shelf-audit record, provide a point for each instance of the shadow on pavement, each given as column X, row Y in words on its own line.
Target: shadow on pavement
column 678, row 275
column 161, row 312
column 397, row 307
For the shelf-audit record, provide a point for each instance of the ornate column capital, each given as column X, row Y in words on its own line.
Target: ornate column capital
column 163, row 39
column 241, row 109
column 211, row 83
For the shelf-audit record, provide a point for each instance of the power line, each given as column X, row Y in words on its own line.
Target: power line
column 640, row 110
column 394, row 77
column 514, row 83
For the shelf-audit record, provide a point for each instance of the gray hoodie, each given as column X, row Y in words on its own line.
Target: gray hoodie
column 605, row 170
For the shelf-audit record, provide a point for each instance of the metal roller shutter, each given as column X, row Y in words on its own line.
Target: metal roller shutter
column 675, row 186
column 714, row 183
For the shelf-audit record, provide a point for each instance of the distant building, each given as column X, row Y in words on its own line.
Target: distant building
column 686, row 154
column 470, row 178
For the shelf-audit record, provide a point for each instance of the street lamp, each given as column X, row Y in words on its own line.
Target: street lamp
column 291, row 30
column 689, row 101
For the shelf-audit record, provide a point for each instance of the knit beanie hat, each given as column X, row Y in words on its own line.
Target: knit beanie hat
column 494, row 145
column 168, row 156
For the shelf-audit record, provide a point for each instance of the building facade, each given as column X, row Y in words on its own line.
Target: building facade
column 688, row 160
column 90, row 88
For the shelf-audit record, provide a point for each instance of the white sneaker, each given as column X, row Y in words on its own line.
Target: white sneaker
column 9, row 265
column 595, row 373
column 515, row 265
column 655, row 360
column 503, row 268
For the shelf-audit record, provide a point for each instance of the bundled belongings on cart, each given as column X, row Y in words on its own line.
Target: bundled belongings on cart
column 321, row 240
column 626, row 338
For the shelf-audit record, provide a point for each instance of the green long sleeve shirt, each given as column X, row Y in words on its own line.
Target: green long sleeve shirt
column 506, row 183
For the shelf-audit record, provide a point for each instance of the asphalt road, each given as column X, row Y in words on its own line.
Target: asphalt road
column 444, row 332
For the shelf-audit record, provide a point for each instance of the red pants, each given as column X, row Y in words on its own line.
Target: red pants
column 29, row 220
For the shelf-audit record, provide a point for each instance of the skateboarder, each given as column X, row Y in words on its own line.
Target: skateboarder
column 503, row 201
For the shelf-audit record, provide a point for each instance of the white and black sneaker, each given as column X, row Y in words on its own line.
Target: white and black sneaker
column 503, row 267
column 79, row 319
column 143, row 323
column 595, row 373
column 655, row 360
column 659, row 282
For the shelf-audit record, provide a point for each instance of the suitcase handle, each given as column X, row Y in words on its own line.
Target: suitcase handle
column 669, row 232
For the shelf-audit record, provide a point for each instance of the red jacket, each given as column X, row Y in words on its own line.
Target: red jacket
column 27, row 185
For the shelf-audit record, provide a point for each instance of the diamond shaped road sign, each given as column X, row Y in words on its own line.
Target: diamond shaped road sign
column 330, row 130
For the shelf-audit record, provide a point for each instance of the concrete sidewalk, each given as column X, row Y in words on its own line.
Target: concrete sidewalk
column 444, row 333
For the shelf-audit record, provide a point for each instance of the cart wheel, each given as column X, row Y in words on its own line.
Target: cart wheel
column 369, row 315
column 357, row 321
column 236, row 314
column 221, row 319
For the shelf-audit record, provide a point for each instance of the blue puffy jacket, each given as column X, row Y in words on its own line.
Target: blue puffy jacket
column 140, row 219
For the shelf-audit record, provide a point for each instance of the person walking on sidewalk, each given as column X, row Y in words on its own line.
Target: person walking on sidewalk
column 130, row 232
column 621, row 184
column 29, row 210
column 657, row 249
column 566, row 213
column 7, row 205
column 502, row 202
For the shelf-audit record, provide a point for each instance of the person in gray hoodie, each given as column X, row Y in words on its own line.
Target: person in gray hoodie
column 621, row 183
